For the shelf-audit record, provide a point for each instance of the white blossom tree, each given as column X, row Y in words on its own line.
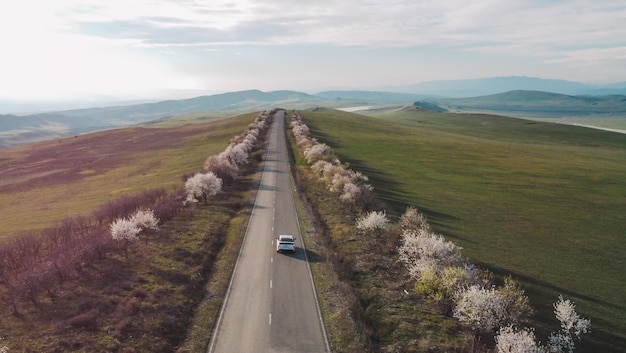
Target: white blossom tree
column 572, row 326
column 339, row 180
column 222, row 167
column 320, row 168
column 510, row 340
column 413, row 220
column 421, row 249
column 202, row 186
column 305, row 143
column 249, row 141
column 237, row 154
column 351, row 193
column 145, row 220
column 125, row 231
column 300, row 130
column 481, row 309
column 316, row 152
column 373, row 221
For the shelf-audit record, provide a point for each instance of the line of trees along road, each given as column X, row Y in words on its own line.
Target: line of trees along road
column 41, row 263
column 442, row 275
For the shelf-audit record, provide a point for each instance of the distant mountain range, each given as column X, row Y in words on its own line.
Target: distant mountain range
column 551, row 100
column 494, row 85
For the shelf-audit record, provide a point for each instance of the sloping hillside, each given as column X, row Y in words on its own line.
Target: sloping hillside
column 371, row 97
column 21, row 129
column 538, row 101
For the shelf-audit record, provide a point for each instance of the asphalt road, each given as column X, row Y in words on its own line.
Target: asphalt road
column 271, row 305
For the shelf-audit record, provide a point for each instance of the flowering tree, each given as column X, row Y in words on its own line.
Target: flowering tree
column 125, row 231
column 250, row 140
column 321, row 168
column 422, row 249
column 145, row 220
column 316, row 152
column 413, row 220
column 480, row 309
column 222, row 167
column 485, row 310
column 237, row 154
column 202, row 186
column 300, row 130
column 440, row 283
column 572, row 326
column 351, row 193
column 373, row 221
column 510, row 340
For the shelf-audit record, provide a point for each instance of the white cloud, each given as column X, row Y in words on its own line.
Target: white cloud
column 62, row 47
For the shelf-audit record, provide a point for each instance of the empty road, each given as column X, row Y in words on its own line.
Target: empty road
column 271, row 305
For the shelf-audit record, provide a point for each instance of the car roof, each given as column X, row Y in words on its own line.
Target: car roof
column 285, row 237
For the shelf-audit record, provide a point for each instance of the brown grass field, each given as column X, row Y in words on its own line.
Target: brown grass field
column 151, row 300
column 45, row 182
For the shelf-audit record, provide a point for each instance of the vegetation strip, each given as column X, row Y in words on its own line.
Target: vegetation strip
column 559, row 341
column 161, row 279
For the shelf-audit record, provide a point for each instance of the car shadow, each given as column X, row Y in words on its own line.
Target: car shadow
column 304, row 255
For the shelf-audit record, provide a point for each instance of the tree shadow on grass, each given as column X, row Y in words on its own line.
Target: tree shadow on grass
column 329, row 140
column 604, row 336
column 500, row 271
column 389, row 191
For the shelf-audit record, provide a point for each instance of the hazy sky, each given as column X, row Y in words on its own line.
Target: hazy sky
column 60, row 48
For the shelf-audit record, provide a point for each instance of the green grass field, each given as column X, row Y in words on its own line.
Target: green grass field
column 543, row 202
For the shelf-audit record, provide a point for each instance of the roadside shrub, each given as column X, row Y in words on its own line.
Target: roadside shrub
column 316, row 152
column 413, row 220
column 481, row 309
column 421, row 250
column 374, row 221
column 510, row 340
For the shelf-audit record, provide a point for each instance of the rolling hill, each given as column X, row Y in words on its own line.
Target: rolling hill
column 545, row 103
column 16, row 129
column 44, row 126
column 494, row 85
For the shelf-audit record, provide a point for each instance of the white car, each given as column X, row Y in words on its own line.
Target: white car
column 286, row 242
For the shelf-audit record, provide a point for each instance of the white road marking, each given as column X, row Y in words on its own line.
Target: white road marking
column 270, row 319
column 270, row 283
